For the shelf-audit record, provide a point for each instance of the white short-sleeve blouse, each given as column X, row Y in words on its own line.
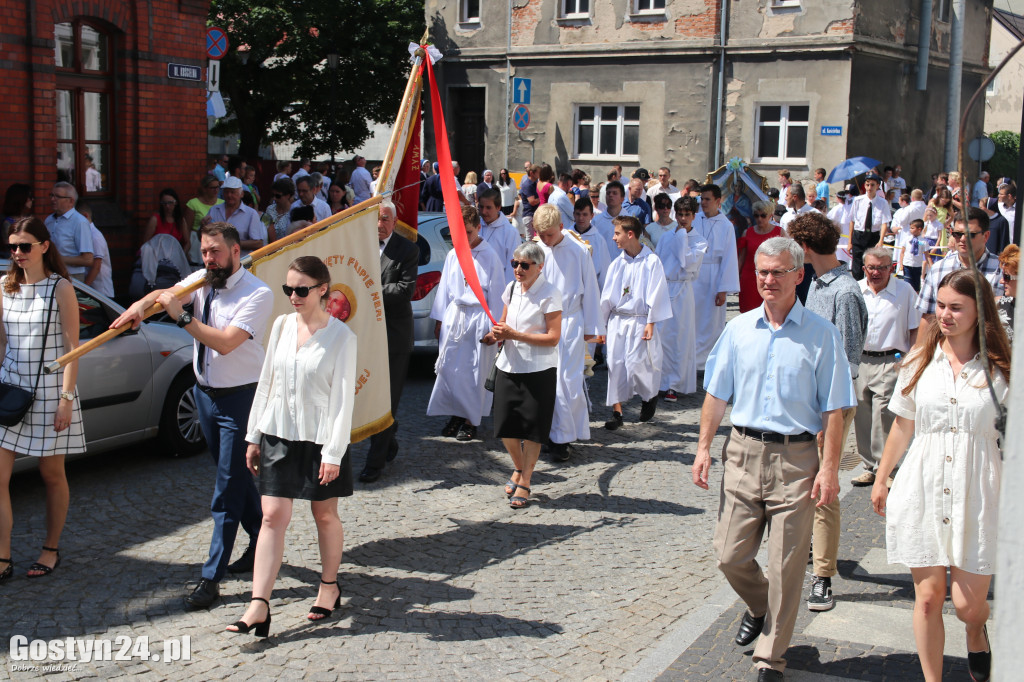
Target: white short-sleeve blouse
column 526, row 311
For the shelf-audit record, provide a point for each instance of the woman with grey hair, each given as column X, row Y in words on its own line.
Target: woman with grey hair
column 763, row 229
column 524, row 388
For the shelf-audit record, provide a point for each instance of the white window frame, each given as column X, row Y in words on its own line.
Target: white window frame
column 571, row 9
column 944, row 11
column 464, row 17
column 785, row 4
column 784, row 131
column 620, row 124
column 647, row 7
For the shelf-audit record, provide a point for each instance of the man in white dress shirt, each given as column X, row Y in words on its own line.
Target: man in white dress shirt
column 563, row 200
column 361, row 179
column 306, row 189
column 904, row 216
column 231, row 311
column 1008, row 204
column 569, row 267
column 893, row 320
column 719, row 272
column 664, row 187
column 869, row 220
column 496, row 230
column 797, row 202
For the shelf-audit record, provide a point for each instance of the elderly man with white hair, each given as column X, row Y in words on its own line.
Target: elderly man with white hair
column 70, row 230
column 251, row 230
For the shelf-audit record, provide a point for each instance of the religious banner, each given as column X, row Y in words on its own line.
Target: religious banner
column 406, row 193
column 351, row 251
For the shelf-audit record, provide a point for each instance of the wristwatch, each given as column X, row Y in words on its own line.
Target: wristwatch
column 64, row 395
column 184, row 319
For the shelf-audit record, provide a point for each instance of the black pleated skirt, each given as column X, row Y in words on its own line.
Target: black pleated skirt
column 292, row 469
column 524, row 404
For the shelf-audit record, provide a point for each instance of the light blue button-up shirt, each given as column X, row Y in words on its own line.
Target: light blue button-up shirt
column 72, row 236
column 780, row 380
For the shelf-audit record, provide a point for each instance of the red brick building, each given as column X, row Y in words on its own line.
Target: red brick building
column 91, row 77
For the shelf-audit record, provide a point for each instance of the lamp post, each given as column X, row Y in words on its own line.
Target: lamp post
column 332, row 62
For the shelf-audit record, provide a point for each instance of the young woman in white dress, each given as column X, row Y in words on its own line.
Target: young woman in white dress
column 941, row 514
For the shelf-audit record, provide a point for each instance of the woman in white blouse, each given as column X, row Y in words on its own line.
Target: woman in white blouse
column 299, row 429
column 524, row 388
column 942, row 509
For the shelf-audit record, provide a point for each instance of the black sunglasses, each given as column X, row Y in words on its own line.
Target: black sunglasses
column 278, row 195
column 302, row 292
column 24, row 247
column 524, row 264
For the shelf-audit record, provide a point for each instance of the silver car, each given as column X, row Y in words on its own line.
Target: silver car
column 435, row 241
column 135, row 387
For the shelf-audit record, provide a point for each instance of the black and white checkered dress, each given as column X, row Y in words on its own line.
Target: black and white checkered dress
column 24, row 318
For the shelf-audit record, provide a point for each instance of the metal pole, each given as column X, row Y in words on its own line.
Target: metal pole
column 924, row 44
column 956, row 63
column 1020, row 175
column 508, row 79
column 721, row 87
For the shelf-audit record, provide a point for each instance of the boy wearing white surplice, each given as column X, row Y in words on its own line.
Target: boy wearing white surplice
column 681, row 252
column 719, row 273
column 463, row 360
column 634, row 298
column 569, row 266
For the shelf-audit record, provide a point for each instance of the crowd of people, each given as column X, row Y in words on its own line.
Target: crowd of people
column 857, row 311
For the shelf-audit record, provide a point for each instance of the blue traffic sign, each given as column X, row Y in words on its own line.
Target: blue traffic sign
column 521, row 91
column 520, row 117
column 216, row 43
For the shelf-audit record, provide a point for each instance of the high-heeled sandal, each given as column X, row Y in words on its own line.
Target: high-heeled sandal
column 7, row 572
column 43, row 569
column 261, row 629
column 979, row 663
column 510, row 487
column 319, row 611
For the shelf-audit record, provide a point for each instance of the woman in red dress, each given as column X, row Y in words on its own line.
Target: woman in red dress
column 764, row 228
column 169, row 219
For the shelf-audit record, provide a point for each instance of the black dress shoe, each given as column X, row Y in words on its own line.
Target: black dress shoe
column 615, row 422
column 750, row 628
column 392, row 451
column 560, row 452
column 205, row 594
column 369, row 475
column 648, row 408
column 769, row 675
column 979, row 663
column 245, row 562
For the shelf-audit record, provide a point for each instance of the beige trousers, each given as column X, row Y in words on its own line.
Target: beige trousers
column 874, row 385
column 826, row 519
column 766, row 486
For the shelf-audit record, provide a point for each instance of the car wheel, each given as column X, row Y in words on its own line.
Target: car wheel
column 180, row 435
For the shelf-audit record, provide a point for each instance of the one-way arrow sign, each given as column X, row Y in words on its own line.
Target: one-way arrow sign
column 520, row 90
column 213, row 76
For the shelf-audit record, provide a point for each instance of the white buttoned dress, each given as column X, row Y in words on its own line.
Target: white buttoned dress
column 943, row 507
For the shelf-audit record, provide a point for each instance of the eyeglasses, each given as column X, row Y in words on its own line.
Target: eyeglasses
column 760, row 215
column 24, row 247
column 777, row 274
column 58, row 196
column 301, row 292
column 960, row 235
column 1009, row 278
column 877, row 268
column 524, row 264
column 278, row 195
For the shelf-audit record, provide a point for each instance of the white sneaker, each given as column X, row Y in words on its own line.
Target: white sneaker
column 865, row 479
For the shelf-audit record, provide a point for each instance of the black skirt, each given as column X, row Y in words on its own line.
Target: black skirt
column 524, row 404
column 292, row 469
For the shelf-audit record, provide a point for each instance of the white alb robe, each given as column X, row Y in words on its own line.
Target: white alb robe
column 635, row 292
column 603, row 223
column 718, row 273
column 681, row 255
column 463, row 363
column 504, row 238
column 598, row 251
column 569, row 267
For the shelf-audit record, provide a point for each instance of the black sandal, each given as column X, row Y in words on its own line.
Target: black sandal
column 261, row 629
column 7, row 572
column 321, row 611
column 524, row 502
column 43, row 568
column 510, row 487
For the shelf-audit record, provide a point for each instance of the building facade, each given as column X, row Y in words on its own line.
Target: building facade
column 1003, row 97
column 109, row 95
column 689, row 84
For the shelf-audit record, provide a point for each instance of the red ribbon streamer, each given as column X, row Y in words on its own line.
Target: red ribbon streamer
column 452, row 206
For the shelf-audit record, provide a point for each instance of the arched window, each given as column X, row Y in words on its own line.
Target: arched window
column 85, row 77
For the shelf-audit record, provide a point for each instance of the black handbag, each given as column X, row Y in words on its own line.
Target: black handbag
column 15, row 401
column 489, row 382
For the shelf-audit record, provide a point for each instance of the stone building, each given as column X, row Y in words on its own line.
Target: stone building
column 791, row 84
column 1004, row 98
column 121, row 82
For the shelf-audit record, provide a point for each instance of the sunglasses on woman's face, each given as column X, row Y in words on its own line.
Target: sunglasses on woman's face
column 524, row 264
column 24, row 247
column 301, row 292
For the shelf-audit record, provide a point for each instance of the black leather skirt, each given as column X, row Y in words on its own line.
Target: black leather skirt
column 292, row 469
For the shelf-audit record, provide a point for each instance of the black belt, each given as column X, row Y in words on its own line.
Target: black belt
column 215, row 393
column 880, row 353
column 770, row 437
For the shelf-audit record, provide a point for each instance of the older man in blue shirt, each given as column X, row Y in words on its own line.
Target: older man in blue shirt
column 785, row 370
column 70, row 231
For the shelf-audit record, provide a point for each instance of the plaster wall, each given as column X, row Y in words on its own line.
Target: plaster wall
column 1003, row 106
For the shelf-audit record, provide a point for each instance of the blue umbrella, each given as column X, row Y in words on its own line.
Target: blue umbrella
column 851, row 168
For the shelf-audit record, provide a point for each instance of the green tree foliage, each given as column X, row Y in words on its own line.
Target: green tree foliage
column 1004, row 160
column 286, row 91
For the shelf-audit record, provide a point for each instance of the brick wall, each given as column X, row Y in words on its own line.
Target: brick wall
column 158, row 125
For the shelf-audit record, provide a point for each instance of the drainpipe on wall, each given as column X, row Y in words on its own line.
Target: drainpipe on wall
column 924, row 44
column 956, row 64
column 508, row 80
column 721, row 88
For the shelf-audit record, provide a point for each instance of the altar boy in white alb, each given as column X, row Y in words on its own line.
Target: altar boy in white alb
column 634, row 298
column 463, row 361
column 681, row 252
column 719, row 273
column 570, row 268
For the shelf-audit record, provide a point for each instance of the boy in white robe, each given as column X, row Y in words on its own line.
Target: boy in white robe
column 719, row 273
column 570, row 268
column 463, row 360
column 497, row 231
column 634, row 298
column 681, row 252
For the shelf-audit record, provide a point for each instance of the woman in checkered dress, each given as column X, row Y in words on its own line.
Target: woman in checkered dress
column 52, row 428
